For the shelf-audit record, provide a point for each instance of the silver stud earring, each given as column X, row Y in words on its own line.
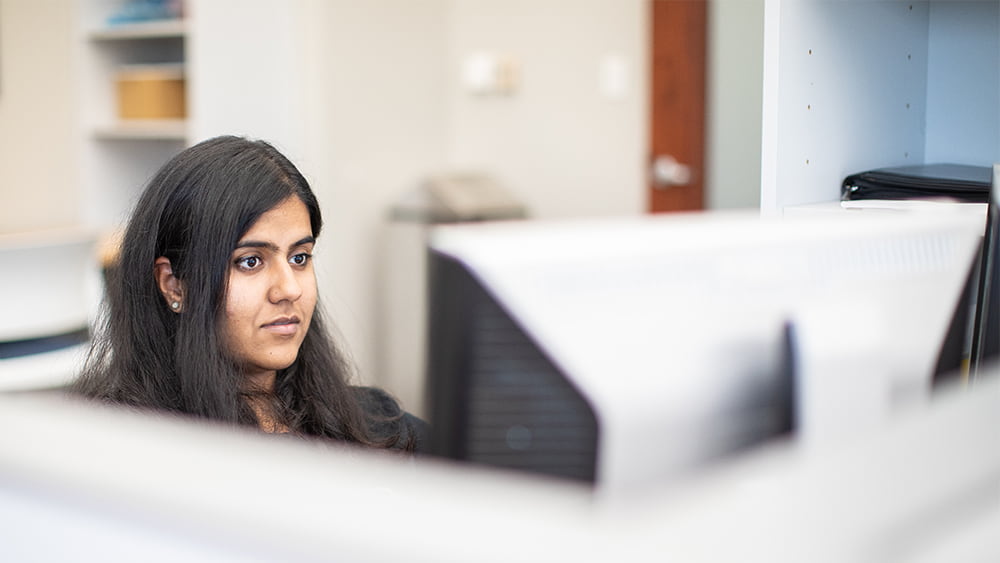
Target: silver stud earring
column 175, row 305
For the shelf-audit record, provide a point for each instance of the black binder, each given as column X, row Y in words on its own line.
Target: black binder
column 960, row 182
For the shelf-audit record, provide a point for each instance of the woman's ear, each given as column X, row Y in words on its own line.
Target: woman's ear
column 171, row 287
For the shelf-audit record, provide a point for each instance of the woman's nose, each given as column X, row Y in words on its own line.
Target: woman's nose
column 285, row 285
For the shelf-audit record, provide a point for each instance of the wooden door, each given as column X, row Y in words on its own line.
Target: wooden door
column 677, row 105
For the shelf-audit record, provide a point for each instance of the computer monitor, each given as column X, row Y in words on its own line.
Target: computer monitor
column 619, row 352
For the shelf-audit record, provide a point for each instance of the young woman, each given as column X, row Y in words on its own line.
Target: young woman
column 211, row 308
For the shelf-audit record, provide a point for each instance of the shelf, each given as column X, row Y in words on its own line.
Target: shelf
column 873, row 206
column 44, row 237
column 152, row 129
column 143, row 30
column 851, row 86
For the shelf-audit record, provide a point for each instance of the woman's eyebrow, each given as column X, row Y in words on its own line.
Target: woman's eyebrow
column 271, row 246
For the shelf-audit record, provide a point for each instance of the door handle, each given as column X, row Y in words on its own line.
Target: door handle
column 667, row 172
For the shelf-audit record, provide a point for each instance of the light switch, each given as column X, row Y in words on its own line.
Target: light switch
column 490, row 74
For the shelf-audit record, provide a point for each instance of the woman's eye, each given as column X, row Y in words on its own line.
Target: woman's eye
column 248, row 262
column 301, row 259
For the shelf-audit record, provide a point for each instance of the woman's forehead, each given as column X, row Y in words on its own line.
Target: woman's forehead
column 289, row 220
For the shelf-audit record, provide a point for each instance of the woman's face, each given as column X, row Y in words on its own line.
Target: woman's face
column 272, row 291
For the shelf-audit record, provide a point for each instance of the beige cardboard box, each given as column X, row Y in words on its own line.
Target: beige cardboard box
column 153, row 91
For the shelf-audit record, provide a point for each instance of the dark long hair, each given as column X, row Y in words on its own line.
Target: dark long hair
column 194, row 212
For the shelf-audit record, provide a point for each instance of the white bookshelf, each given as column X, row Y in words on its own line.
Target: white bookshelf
column 851, row 85
column 119, row 156
column 171, row 28
column 143, row 129
column 245, row 75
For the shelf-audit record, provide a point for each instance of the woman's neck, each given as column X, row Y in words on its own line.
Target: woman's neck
column 261, row 382
column 261, row 388
column 266, row 420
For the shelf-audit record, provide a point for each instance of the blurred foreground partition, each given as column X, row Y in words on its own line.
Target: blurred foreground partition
column 86, row 483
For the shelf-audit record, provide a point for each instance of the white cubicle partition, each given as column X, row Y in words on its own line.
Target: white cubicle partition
column 851, row 85
column 91, row 485
column 51, row 287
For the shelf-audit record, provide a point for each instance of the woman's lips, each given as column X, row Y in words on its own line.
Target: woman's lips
column 284, row 326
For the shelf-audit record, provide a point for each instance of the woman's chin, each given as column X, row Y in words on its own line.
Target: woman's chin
column 271, row 366
column 278, row 366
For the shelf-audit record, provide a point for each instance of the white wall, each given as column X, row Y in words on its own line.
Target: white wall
column 557, row 142
column 963, row 49
column 384, row 119
column 224, row 48
column 38, row 117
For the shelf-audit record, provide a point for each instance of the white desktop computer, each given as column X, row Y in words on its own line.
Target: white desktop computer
column 623, row 352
